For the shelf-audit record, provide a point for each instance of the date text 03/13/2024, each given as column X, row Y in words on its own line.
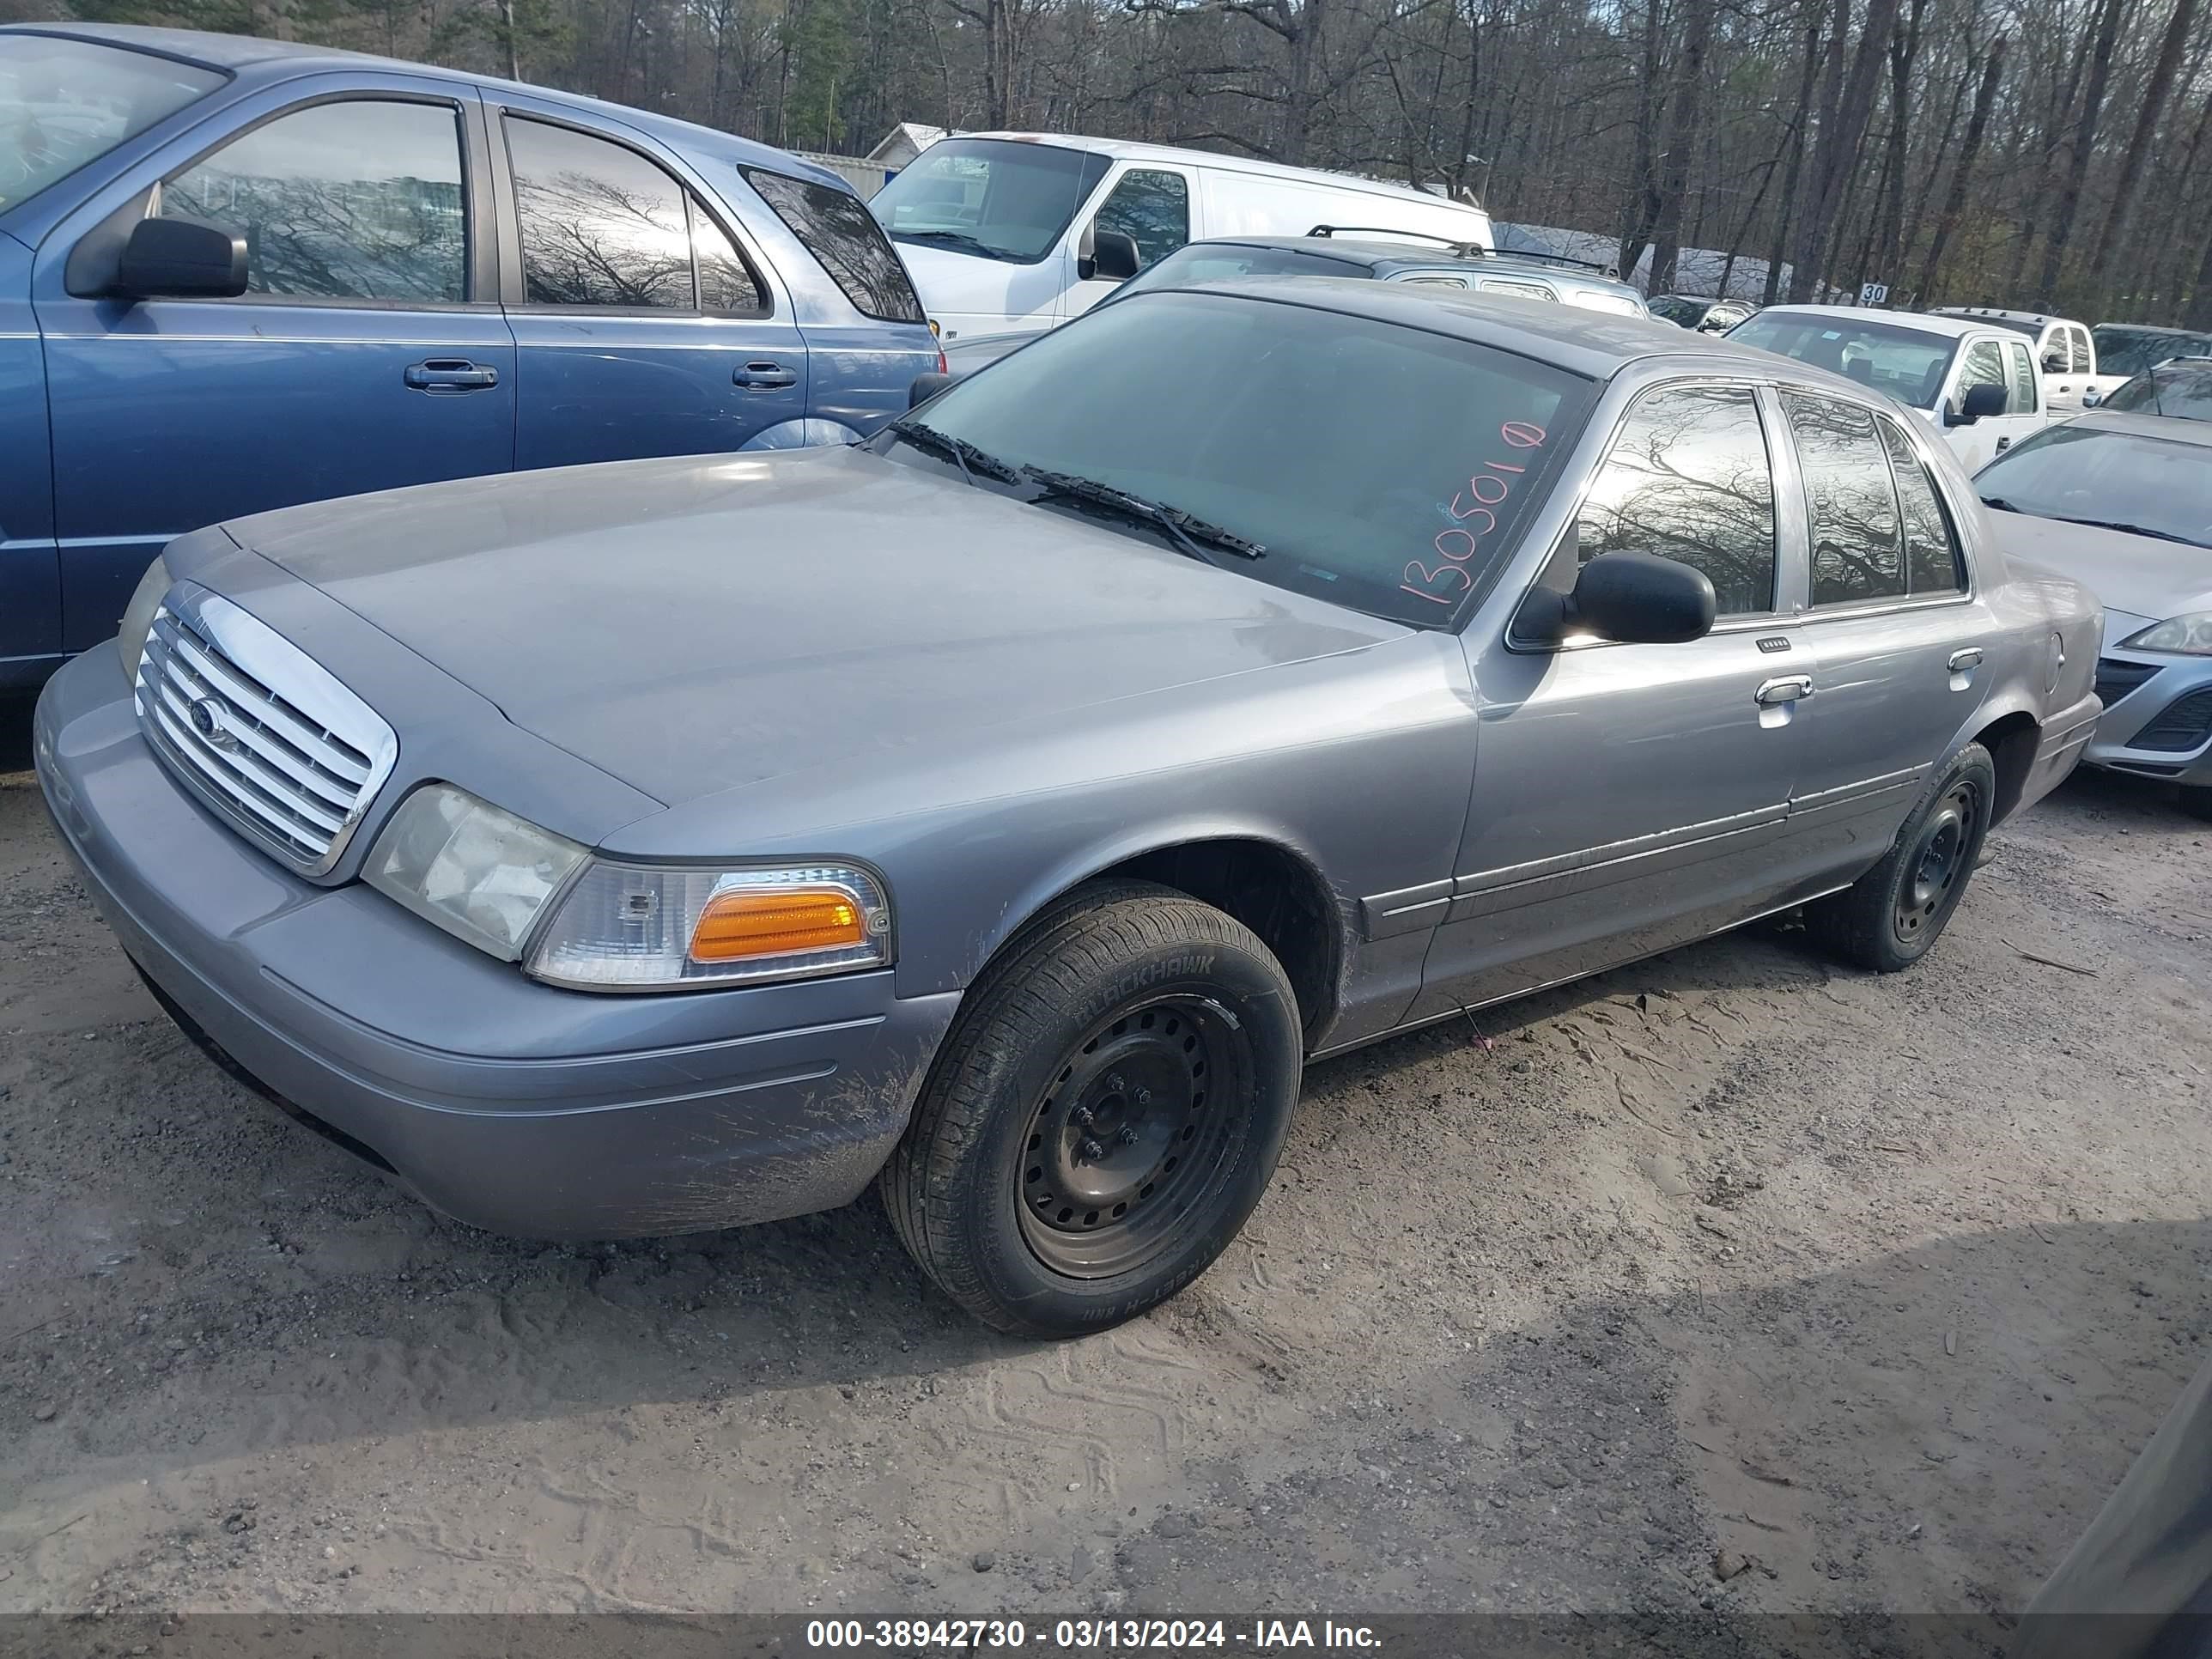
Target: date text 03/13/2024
column 1259, row 1635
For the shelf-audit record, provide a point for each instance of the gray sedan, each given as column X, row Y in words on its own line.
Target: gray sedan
column 1005, row 809
column 2122, row 503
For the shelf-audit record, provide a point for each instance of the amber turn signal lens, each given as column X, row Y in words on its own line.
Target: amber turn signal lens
column 775, row 922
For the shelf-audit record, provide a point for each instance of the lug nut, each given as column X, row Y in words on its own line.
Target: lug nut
column 1115, row 1082
column 1144, row 1096
column 1128, row 1135
column 1084, row 1115
column 1091, row 1149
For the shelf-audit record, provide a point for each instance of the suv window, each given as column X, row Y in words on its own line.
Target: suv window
column 836, row 228
column 1153, row 209
column 2022, row 399
column 1524, row 290
column 1858, row 553
column 361, row 200
column 1688, row 478
column 1932, row 564
column 602, row 226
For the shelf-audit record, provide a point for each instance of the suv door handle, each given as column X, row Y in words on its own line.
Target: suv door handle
column 449, row 375
column 1791, row 688
column 763, row 376
column 1967, row 659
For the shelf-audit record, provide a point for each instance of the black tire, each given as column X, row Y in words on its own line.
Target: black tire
column 1892, row 916
column 1175, row 1030
column 2197, row 800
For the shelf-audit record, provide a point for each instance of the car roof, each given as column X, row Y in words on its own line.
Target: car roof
column 277, row 60
column 2040, row 318
column 1595, row 344
column 1129, row 151
column 1927, row 322
column 2174, row 428
column 1377, row 254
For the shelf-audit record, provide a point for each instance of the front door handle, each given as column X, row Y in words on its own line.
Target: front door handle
column 1791, row 688
column 1967, row 659
column 450, row 374
column 2004, row 444
column 763, row 376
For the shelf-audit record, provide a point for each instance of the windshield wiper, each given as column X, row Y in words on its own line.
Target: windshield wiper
column 959, row 238
column 2133, row 530
column 969, row 459
column 1191, row 536
column 2001, row 504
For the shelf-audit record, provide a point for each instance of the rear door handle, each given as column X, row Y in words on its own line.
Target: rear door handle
column 1791, row 688
column 764, row 377
column 1967, row 659
column 450, row 374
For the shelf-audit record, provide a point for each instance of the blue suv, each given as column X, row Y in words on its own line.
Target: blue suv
column 238, row 274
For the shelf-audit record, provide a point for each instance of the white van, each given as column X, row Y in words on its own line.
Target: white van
column 1003, row 230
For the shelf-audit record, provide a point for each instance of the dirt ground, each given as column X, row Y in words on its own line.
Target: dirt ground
column 1870, row 1287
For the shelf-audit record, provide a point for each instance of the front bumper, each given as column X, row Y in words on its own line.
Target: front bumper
column 506, row 1103
column 2158, row 715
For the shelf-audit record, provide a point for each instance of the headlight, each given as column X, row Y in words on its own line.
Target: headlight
column 2189, row 636
column 480, row 873
column 138, row 616
column 625, row 928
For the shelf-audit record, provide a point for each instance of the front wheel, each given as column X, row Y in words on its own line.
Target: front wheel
column 1104, row 1116
column 1891, row 916
column 2197, row 800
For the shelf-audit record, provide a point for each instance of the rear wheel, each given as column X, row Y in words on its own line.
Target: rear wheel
column 1104, row 1116
column 1891, row 916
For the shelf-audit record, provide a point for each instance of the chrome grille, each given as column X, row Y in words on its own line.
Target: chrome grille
column 258, row 729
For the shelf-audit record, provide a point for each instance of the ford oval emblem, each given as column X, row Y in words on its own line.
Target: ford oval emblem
column 207, row 721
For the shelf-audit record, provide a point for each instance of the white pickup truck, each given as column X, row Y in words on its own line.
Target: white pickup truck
column 1976, row 381
column 2065, row 351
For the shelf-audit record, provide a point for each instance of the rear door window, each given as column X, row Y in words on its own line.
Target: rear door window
column 2021, row 398
column 843, row 236
column 1688, row 478
column 1858, row 552
column 1932, row 561
column 600, row 225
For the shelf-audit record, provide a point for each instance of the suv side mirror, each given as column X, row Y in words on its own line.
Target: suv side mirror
column 926, row 386
column 1111, row 255
column 1632, row 598
column 181, row 258
column 1980, row 401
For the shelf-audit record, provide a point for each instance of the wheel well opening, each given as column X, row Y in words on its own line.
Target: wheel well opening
column 1274, row 893
column 2011, row 743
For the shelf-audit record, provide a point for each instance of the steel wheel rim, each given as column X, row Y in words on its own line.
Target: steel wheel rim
column 1936, row 865
column 1136, row 1131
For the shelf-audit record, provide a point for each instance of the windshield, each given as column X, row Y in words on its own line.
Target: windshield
column 1381, row 466
column 2178, row 390
column 2132, row 351
column 995, row 198
column 63, row 103
column 1906, row 362
column 1672, row 309
column 1208, row 262
column 2092, row 474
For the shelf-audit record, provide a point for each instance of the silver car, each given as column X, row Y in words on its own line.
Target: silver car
column 2122, row 503
column 1005, row 808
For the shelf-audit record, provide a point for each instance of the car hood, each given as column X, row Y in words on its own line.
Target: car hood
column 2138, row 575
column 697, row 625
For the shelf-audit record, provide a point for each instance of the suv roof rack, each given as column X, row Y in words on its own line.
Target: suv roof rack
column 1467, row 250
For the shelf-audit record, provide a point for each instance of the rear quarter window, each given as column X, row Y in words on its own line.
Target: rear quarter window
column 839, row 232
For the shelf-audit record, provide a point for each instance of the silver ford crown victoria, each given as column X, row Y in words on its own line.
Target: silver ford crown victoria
column 1005, row 808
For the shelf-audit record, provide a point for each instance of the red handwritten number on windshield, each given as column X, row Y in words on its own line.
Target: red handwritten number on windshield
column 1489, row 488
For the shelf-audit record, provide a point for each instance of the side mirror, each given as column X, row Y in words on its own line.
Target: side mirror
column 181, row 258
column 926, row 386
column 1632, row 598
column 2054, row 362
column 1109, row 255
column 1981, row 400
